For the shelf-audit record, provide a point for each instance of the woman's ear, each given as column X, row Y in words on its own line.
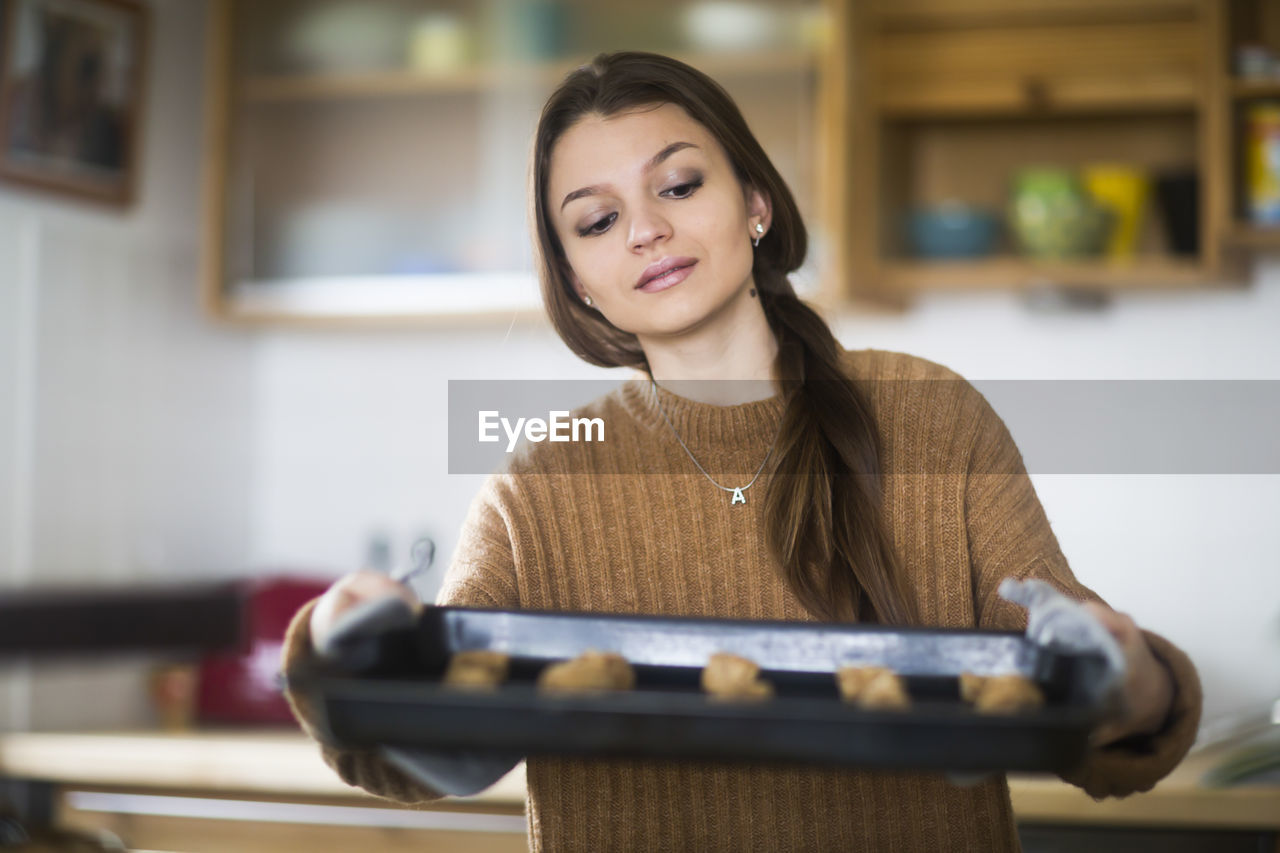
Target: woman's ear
column 759, row 209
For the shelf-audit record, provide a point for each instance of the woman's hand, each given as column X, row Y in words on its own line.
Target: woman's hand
column 347, row 592
column 1147, row 691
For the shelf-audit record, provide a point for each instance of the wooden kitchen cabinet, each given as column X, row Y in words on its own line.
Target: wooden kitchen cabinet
column 948, row 64
column 369, row 159
column 363, row 185
column 949, row 101
column 1245, row 22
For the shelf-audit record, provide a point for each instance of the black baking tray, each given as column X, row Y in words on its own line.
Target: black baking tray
column 399, row 700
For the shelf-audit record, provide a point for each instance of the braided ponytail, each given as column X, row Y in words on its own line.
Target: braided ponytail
column 826, row 520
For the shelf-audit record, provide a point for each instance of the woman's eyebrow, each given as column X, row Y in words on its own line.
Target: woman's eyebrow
column 652, row 164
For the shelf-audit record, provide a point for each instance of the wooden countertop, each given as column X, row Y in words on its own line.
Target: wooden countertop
column 244, row 761
column 288, row 764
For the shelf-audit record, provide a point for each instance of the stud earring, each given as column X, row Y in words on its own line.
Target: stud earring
column 587, row 300
column 759, row 234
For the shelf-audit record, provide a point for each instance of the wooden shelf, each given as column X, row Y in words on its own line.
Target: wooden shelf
column 1011, row 97
column 278, row 88
column 1012, row 273
column 947, row 14
column 374, row 84
column 1242, row 89
column 1255, row 236
column 387, row 300
column 979, row 109
column 952, row 100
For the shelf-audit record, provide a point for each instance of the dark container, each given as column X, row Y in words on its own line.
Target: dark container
column 1178, row 199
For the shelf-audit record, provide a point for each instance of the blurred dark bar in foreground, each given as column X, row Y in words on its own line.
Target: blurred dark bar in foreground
column 129, row 619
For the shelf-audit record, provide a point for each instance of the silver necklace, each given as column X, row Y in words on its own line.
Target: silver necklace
column 738, row 497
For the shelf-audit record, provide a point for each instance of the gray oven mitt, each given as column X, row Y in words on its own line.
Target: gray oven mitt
column 1057, row 622
column 353, row 643
column 458, row 773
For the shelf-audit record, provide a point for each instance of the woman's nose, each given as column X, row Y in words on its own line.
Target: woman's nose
column 647, row 227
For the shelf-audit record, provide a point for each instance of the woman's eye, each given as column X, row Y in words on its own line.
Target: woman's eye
column 598, row 227
column 683, row 190
column 679, row 191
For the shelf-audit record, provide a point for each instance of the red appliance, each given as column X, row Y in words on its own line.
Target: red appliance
column 243, row 686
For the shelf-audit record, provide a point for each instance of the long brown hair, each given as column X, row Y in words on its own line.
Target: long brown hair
column 826, row 522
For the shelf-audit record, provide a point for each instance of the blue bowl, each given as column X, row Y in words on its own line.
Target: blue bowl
column 952, row 231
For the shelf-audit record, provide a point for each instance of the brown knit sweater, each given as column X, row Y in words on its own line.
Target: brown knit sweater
column 672, row 543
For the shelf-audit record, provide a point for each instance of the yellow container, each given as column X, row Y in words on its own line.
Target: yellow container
column 1124, row 190
column 1262, row 162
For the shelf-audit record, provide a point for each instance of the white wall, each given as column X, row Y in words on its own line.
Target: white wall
column 1193, row 557
column 351, row 439
column 125, row 417
column 352, row 436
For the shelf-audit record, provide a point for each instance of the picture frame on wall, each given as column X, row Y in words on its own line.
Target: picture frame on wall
column 72, row 89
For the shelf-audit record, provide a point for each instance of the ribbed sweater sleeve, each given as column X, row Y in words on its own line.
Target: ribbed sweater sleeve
column 1009, row 536
column 483, row 571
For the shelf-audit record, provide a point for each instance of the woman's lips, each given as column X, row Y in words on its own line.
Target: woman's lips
column 670, row 278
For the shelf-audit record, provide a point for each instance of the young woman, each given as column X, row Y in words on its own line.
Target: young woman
column 820, row 484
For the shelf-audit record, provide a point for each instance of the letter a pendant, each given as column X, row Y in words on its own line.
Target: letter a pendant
column 738, row 497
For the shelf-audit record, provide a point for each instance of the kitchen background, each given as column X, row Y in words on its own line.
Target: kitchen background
column 142, row 440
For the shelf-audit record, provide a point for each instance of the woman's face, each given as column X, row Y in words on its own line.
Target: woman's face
column 654, row 222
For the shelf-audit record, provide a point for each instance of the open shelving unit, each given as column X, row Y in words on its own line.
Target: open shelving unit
column 1246, row 22
column 418, row 176
column 369, row 190
column 951, row 100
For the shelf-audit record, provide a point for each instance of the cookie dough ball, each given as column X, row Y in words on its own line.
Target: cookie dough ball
column 852, row 679
column 732, row 677
column 588, row 672
column 872, row 687
column 1000, row 694
column 1008, row 694
column 479, row 669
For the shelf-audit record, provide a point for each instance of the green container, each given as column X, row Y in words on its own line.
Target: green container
column 1052, row 217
